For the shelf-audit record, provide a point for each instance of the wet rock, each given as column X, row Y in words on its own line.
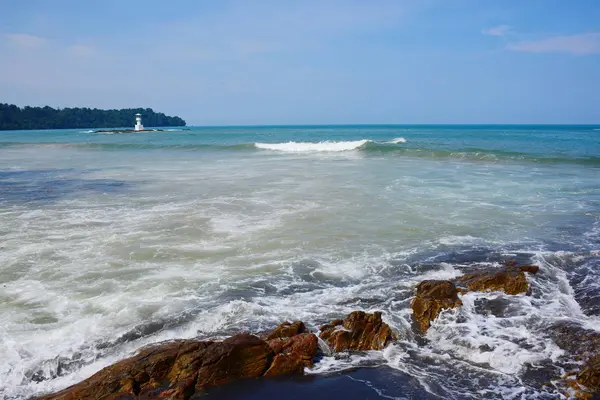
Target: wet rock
column 432, row 297
column 582, row 345
column 531, row 269
column 175, row 370
column 510, row 280
column 589, row 375
column 579, row 343
column 358, row 331
column 131, row 376
column 240, row 356
column 496, row 306
column 288, row 329
column 292, row 354
column 178, row 369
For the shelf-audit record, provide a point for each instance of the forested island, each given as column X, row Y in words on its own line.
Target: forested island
column 13, row 117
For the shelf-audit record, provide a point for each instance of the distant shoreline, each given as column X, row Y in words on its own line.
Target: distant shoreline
column 16, row 118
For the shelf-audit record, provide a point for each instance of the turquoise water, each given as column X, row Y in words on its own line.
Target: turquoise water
column 110, row 242
column 579, row 144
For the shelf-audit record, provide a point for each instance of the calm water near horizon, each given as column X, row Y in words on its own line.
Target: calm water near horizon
column 110, row 242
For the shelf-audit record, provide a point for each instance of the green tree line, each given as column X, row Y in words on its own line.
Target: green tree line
column 16, row 118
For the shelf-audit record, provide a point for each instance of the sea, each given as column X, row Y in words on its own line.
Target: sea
column 112, row 242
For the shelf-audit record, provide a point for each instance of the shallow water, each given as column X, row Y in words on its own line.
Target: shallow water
column 111, row 242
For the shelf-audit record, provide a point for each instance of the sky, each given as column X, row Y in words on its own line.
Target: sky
column 254, row 62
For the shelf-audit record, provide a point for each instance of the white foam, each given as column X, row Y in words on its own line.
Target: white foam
column 217, row 244
column 308, row 147
column 398, row 140
column 487, row 340
column 344, row 361
column 460, row 240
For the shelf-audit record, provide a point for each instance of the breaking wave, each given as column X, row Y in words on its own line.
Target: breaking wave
column 303, row 147
column 397, row 140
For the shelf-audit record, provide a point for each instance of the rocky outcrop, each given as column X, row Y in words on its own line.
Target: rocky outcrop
column 578, row 342
column 177, row 370
column 358, row 331
column 288, row 329
column 589, row 377
column 510, row 280
column 294, row 348
column 433, row 297
column 292, row 354
column 531, row 269
column 581, row 345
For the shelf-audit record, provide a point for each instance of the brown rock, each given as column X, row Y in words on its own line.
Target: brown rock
column 582, row 345
column 589, row 375
column 288, row 329
column 292, row 354
column 286, row 364
column 240, row 356
column 579, row 343
column 509, row 280
column 175, row 370
column 532, row 269
column 433, row 297
column 358, row 331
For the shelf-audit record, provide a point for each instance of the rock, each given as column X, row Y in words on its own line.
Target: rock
column 286, row 364
column 496, row 306
column 292, row 354
column 131, row 376
column 240, row 356
column 288, row 329
column 589, row 375
column 582, row 345
column 175, row 370
column 358, row 331
column 433, row 297
column 579, row 343
column 532, row 269
column 178, row 369
column 510, row 280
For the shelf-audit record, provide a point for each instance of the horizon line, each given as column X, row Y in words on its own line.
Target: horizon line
column 389, row 124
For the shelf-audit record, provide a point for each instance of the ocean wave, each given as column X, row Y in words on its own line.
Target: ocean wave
column 304, row 147
column 397, row 140
column 367, row 146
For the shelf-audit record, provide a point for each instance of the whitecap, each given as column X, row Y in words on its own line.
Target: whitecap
column 398, row 140
column 302, row 147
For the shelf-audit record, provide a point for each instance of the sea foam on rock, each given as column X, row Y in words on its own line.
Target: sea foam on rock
column 358, row 331
column 510, row 280
column 179, row 369
column 433, row 296
column 583, row 346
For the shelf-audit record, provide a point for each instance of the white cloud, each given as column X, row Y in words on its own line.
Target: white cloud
column 25, row 40
column 500, row 30
column 582, row 44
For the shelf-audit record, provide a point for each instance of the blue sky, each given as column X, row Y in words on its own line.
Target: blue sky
column 308, row 62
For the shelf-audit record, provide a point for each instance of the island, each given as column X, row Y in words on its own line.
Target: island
column 13, row 117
